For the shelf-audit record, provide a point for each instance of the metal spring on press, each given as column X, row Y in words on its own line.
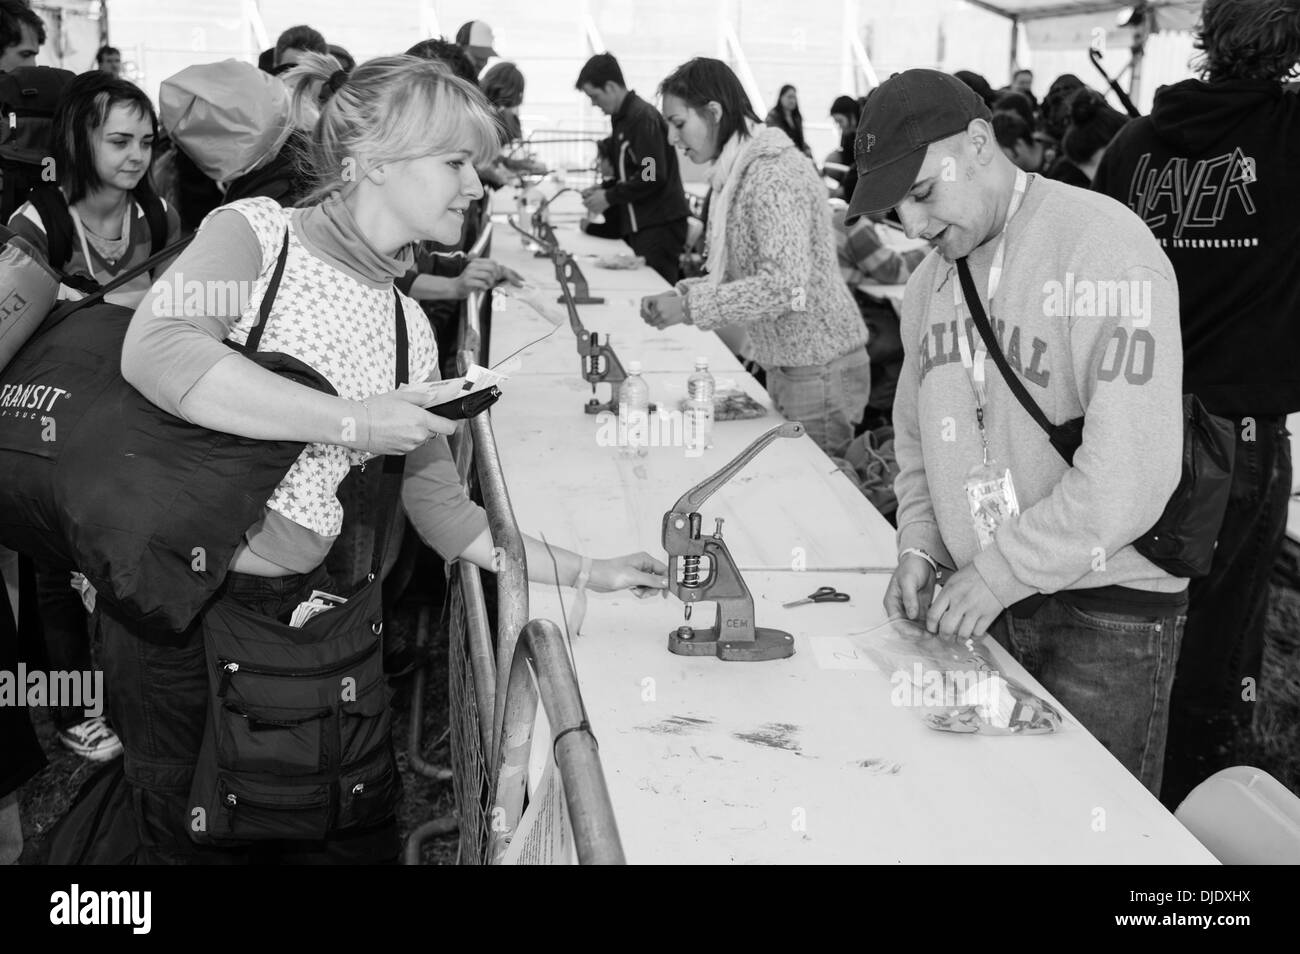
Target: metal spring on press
column 690, row 578
column 691, row 571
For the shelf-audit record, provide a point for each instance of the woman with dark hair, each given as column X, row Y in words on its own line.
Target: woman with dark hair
column 503, row 85
column 98, row 222
column 1016, row 137
column 1018, row 103
column 1093, row 124
column 1056, row 119
column 104, row 131
column 771, row 254
column 846, row 112
column 785, row 116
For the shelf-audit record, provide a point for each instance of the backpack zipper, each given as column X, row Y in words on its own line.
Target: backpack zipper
column 229, row 667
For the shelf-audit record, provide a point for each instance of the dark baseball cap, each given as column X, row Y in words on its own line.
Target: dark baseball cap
column 902, row 116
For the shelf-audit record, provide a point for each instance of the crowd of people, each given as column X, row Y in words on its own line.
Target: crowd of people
column 346, row 195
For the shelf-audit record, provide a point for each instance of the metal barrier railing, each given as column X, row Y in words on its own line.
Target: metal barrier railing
column 541, row 646
column 493, row 701
column 571, row 153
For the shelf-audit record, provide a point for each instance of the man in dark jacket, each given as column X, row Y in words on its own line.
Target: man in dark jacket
column 649, row 183
column 1212, row 171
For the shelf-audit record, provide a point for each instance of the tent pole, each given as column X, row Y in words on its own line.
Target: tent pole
column 1015, row 36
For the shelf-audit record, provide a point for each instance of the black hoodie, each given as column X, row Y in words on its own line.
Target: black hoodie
column 1215, row 173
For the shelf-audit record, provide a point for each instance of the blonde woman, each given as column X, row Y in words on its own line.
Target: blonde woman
column 393, row 155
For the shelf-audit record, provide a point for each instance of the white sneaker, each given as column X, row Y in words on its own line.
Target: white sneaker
column 92, row 740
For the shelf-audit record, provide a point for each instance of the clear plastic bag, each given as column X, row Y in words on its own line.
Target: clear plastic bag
column 952, row 685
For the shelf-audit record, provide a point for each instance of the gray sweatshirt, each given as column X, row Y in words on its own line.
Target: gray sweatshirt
column 1087, row 314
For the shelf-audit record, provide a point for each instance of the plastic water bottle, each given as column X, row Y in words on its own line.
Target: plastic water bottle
column 634, row 412
column 699, row 407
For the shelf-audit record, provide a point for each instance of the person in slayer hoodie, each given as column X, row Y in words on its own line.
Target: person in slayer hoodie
column 1212, row 171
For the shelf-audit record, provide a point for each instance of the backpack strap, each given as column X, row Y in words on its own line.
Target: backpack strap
column 60, row 314
column 52, row 206
column 155, row 215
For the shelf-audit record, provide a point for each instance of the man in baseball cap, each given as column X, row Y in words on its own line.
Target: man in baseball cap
column 901, row 119
column 476, row 39
column 1039, row 549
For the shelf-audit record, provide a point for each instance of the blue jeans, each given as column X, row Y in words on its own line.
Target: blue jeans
column 1113, row 672
column 159, row 705
column 828, row 399
column 1223, row 646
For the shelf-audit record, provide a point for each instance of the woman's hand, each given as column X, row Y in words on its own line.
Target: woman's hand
column 637, row 571
column 482, row 274
column 662, row 310
column 393, row 423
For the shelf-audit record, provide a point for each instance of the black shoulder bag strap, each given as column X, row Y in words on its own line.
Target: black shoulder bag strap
column 268, row 299
column 394, row 464
column 1066, row 437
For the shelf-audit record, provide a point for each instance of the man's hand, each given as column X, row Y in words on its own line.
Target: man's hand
column 639, row 572
column 662, row 310
column 910, row 588
column 596, row 201
column 965, row 607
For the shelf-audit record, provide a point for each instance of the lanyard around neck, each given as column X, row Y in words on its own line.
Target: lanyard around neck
column 974, row 363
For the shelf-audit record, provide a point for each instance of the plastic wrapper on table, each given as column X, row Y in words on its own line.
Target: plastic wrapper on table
column 620, row 261
column 952, row 685
column 731, row 404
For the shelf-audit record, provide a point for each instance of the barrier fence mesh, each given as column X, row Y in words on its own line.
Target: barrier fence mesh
column 469, row 763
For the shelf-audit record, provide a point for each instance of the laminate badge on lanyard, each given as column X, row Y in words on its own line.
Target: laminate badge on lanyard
column 990, row 491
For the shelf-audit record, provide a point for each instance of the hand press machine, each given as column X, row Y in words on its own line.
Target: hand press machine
column 733, row 637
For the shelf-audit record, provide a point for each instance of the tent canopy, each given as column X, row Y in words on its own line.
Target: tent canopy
column 1169, row 14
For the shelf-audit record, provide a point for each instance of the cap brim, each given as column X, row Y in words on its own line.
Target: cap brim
column 885, row 187
column 486, row 52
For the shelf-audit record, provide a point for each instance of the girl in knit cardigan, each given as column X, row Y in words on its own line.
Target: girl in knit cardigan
column 771, row 257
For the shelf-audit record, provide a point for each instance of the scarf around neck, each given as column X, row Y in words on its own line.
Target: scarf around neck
column 719, row 179
column 330, row 229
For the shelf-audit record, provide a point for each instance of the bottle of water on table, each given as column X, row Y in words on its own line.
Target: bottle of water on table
column 699, row 407
column 634, row 412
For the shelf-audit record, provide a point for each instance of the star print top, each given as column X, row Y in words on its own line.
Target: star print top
column 333, row 311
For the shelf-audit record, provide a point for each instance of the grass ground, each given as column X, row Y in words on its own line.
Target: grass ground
column 1273, row 744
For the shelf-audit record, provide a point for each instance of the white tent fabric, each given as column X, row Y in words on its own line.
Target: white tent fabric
column 1169, row 14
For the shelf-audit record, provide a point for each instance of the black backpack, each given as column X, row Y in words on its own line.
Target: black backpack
column 28, row 97
column 52, row 205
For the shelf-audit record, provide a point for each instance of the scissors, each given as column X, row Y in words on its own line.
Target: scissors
column 825, row 594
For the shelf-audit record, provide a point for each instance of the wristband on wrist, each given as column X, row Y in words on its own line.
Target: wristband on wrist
column 363, row 439
column 923, row 555
column 584, row 574
column 579, row 613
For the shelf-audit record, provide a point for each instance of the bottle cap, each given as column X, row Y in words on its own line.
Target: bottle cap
column 701, row 361
column 634, row 367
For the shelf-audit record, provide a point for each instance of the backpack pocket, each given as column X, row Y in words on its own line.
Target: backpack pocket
column 253, row 810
